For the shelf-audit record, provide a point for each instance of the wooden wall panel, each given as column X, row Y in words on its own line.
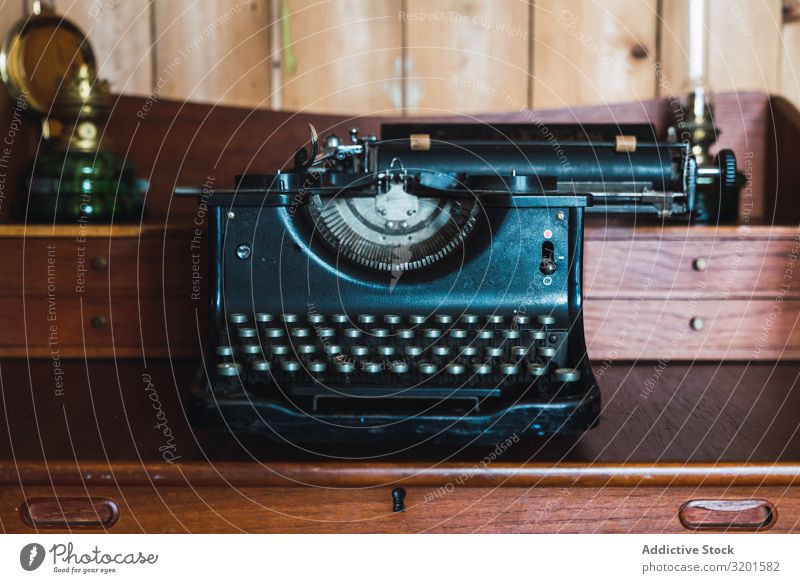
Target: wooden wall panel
column 120, row 34
column 744, row 46
column 347, row 57
column 790, row 62
column 586, row 52
column 215, row 52
column 466, row 57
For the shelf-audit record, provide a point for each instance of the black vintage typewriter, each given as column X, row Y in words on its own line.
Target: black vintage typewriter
column 424, row 285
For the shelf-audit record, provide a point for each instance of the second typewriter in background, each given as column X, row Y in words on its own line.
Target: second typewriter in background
column 423, row 285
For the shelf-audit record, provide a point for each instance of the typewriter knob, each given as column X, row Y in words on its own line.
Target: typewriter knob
column 398, row 498
column 726, row 160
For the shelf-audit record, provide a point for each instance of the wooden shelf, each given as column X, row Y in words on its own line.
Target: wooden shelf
column 90, row 231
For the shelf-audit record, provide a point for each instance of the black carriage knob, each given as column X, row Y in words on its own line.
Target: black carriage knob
column 398, row 497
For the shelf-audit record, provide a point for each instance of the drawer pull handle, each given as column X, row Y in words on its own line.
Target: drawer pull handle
column 70, row 512
column 99, row 322
column 727, row 514
column 697, row 323
column 700, row 264
column 99, row 263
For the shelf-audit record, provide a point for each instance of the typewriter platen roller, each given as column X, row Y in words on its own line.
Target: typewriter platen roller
column 420, row 286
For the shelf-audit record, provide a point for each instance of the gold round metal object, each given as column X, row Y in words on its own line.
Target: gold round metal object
column 39, row 53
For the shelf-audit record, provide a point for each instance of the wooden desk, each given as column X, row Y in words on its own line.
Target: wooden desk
column 707, row 431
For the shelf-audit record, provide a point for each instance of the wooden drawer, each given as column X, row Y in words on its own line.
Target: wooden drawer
column 726, row 266
column 695, row 329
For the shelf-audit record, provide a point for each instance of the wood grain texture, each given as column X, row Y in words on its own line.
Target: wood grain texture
column 347, row 54
column 460, row 510
column 120, row 34
column 744, row 46
column 466, row 57
column 585, row 52
column 213, row 52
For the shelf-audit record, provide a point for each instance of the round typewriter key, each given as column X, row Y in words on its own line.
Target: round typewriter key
column 546, row 320
column 399, row 367
column 469, row 351
column 366, row 319
column 237, row 318
column 289, row 318
column 315, row 319
column 443, row 319
column 494, row 319
column 333, row 349
column 440, row 350
column 372, row 367
column 456, row 369
column 290, row 366
column 352, row 333
column 459, row 333
column 519, row 351
column 359, row 351
column 521, row 320
column 486, row 334
column 427, row 368
column 413, row 350
column 386, row 350
column 406, row 334
column 306, row 349
column 482, row 369
column 326, row 332
column 247, row 333
column 263, row 318
column 469, row 319
column 567, row 375
column 379, row 332
column 273, row 332
column 229, row 369
column 224, row 351
column 340, row 319
column 511, row 334
column 251, row 349
column 538, row 334
column 494, row 352
column 547, row 351
column 536, row 369
column 317, row 366
column 261, row 366
column 279, row 350
column 432, row 333
column 392, row 319
column 416, row 319
column 300, row 332
column 508, row 368
column 345, row 367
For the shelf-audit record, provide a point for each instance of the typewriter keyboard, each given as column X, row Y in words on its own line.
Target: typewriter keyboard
column 374, row 355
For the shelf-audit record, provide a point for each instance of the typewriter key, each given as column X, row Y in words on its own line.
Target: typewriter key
column 289, row 318
column 538, row 334
column 251, row 349
column 379, row 332
column 486, row 334
column 247, row 333
column 406, row 334
column 290, row 366
column 469, row 351
column 345, row 367
column 443, row 319
column 315, row 319
column 392, row 319
column 459, row 333
column 399, row 367
column 494, row 352
column 279, row 350
column 359, row 351
column 416, row 319
column 519, row 351
column 366, row 319
column 261, row 366
column 340, row 319
column 300, row 332
column 427, row 368
column 306, row 349
column 333, row 349
column 386, row 350
column 432, row 333
column 224, row 351
column 273, row 332
column 372, row 367
column 441, row 350
column 237, row 318
column 456, row 369
column 413, row 350
column 567, row 375
column 536, row 369
column 229, row 369
column 547, row 351
column 494, row 319
column 317, row 366
column 326, row 332
column 263, row 318
column 482, row 369
column 521, row 320
column 469, row 319
column 508, row 368
column 511, row 334
column 352, row 333
column 546, row 320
